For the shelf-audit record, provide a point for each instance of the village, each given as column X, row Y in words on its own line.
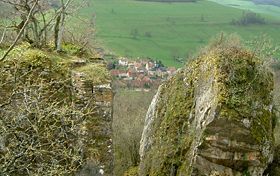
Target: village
column 140, row 75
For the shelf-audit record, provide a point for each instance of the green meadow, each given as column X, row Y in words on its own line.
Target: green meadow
column 249, row 5
column 169, row 32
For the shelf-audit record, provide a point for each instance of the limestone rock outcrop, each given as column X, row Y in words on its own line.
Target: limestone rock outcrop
column 214, row 117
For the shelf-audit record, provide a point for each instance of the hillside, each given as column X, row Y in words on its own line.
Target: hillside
column 168, row 31
column 267, row 2
column 268, row 7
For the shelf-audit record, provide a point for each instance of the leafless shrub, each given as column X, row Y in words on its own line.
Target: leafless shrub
column 129, row 115
column 41, row 130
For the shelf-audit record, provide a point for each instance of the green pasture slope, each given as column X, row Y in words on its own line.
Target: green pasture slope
column 249, row 5
column 167, row 31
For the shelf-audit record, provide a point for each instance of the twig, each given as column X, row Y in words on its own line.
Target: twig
column 3, row 36
column 20, row 32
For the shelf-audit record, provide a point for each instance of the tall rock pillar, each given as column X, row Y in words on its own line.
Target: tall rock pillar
column 214, row 117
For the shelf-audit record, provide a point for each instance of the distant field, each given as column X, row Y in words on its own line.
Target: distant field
column 168, row 31
column 249, row 5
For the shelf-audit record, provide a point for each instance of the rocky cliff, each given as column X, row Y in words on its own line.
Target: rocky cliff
column 214, row 117
column 55, row 115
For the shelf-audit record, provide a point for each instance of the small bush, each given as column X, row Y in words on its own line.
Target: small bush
column 96, row 73
column 249, row 18
column 148, row 34
column 72, row 49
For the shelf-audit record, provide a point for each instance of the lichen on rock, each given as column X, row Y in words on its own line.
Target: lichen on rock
column 214, row 117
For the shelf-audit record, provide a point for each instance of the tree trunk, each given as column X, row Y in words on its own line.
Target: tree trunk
column 61, row 27
column 60, row 33
column 56, row 30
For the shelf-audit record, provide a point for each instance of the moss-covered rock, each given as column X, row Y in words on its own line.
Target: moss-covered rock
column 55, row 114
column 214, row 117
column 133, row 171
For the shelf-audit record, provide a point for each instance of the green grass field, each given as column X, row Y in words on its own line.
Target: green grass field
column 167, row 31
column 249, row 5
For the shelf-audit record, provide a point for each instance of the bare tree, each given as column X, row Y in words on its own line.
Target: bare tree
column 60, row 24
column 85, row 36
column 21, row 30
column 38, row 28
column 32, row 30
column 45, row 23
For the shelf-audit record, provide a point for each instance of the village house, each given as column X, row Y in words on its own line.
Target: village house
column 149, row 66
column 123, row 74
column 141, row 73
column 123, row 62
column 171, row 70
column 115, row 73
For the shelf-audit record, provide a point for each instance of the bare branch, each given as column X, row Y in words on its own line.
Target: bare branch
column 20, row 33
column 3, row 35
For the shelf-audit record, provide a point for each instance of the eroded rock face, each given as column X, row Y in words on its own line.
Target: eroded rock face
column 213, row 118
